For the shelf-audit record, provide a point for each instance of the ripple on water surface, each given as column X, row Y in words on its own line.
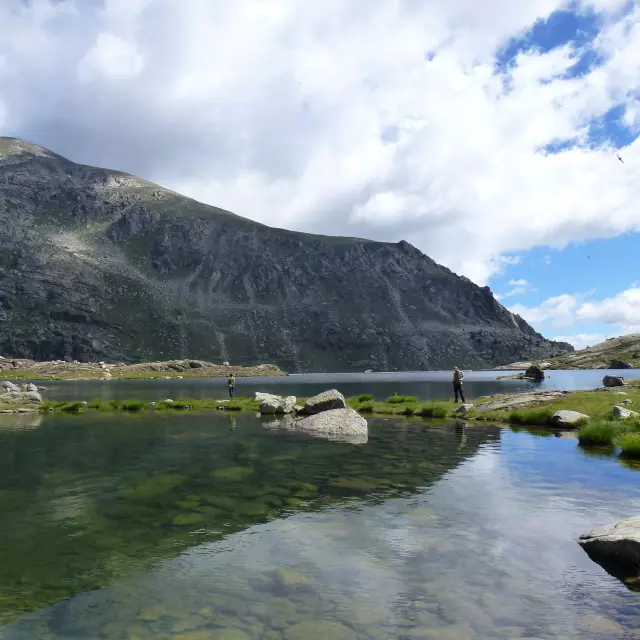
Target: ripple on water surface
column 212, row 527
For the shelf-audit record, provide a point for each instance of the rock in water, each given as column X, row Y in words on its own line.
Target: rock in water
column 261, row 397
column 619, row 364
column 324, row 402
column 270, row 405
column 613, row 381
column 534, row 372
column 615, row 547
column 570, row 419
column 335, row 422
column 287, row 405
column 624, row 414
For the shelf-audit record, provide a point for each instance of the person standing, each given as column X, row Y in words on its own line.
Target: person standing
column 458, row 377
column 231, row 385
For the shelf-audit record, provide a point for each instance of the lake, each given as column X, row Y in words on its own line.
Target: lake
column 213, row 526
column 427, row 385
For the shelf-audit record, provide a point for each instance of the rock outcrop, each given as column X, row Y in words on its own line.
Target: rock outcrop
column 616, row 548
column 613, row 381
column 534, row 372
column 98, row 265
column 270, row 404
column 620, row 364
column 20, row 397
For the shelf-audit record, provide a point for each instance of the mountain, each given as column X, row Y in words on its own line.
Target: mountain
column 101, row 265
column 610, row 354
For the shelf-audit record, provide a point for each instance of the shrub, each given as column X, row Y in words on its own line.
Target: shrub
column 532, row 417
column 409, row 410
column 185, row 404
column 114, row 404
column 432, row 411
column 96, row 403
column 133, row 405
column 72, row 407
column 365, row 397
column 598, row 434
column 365, row 407
column 629, row 444
column 46, row 407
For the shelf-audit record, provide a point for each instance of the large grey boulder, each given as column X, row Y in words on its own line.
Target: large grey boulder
column 324, row 402
column 274, row 404
column 534, row 372
column 261, row 397
column 464, row 408
column 621, row 412
column 336, row 422
column 613, row 381
column 569, row 419
column 21, row 397
column 616, row 548
column 9, row 386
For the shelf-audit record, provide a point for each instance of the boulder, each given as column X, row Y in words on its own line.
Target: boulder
column 287, row 405
column 196, row 364
column 615, row 547
column 570, row 419
column 9, row 386
column 534, row 372
column 334, row 422
column 613, row 381
column 269, row 406
column 326, row 401
column 621, row 412
column 464, row 408
column 275, row 404
column 32, row 387
column 620, row 364
column 21, row 397
column 627, row 401
column 261, row 397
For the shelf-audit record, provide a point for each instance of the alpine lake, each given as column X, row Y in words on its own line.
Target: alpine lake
column 219, row 526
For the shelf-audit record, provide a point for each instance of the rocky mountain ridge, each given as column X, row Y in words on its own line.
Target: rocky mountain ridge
column 100, row 265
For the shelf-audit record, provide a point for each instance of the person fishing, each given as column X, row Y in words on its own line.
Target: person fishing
column 458, row 377
column 231, row 385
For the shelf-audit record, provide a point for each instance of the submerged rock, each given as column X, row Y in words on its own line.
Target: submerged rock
column 613, row 381
column 345, row 422
column 325, row 401
column 569, row 418
column 621, row 412
column 615, row 547
column 320, row 630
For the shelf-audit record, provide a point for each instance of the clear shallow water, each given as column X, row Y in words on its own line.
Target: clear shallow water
column 427, row 385
column 215, row 526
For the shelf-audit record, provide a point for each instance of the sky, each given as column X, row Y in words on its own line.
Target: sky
column 485, row 134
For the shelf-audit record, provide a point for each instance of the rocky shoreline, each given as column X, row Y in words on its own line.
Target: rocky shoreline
column 21, row 369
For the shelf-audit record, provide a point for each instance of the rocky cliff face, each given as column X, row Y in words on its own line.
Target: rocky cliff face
column 97, row 264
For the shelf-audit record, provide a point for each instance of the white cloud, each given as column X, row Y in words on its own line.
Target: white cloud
column 519, row 287
column 582, row 340
column 620, row 312
column 519, row 283
column 328, row 117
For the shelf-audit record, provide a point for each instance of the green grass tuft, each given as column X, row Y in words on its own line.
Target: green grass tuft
column 133, row 405
column 365, row 407
column 365, row 397
column 72, row 407
column 431, row 411
column 531, row 417
column 396, row 399
column 629, row 444
column 599, row 433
